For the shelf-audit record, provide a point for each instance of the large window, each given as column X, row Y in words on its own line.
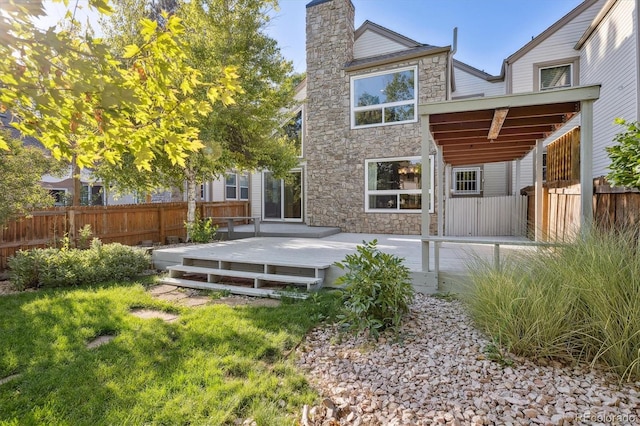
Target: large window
column 556, row 77
column 293, row 129
column 384, row 98
column 237, row 186
column 466, row 181
column 395, row 185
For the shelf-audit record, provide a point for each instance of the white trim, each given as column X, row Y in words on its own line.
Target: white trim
column 382, row 106
column 398, row 192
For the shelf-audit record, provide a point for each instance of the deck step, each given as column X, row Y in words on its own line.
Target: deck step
column 214, row 274
column 233, row 289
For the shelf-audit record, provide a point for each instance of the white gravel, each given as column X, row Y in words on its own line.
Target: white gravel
column 438, row 373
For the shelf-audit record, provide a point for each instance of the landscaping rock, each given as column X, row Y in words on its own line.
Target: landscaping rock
column 435, row 372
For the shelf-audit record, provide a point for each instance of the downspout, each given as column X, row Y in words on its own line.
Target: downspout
column 451, row 87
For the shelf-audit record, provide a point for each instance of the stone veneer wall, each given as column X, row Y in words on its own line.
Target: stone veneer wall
column 335, row 153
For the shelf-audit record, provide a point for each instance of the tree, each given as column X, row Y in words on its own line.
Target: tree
column 246, row 135
column 85, row 104
column 21, row 169
column 625, row 156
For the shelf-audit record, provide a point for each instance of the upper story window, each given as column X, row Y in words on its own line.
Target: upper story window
column 384, row 98
column 556, row 77
column 293, row 129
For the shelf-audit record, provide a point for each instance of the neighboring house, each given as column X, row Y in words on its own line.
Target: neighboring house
column 93, row 192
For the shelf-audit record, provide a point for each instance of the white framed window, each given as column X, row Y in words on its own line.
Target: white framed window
column 384, row 98
column 394, row 185
column 556, row 76
column 237, row 186
column 294, row 130
column 243, row 181
column 466, row 181
column 231, row 187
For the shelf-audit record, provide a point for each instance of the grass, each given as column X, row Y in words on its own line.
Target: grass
column 580, row 302
column 214, row 365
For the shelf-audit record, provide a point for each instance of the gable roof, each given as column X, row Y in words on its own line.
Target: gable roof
column 387, row 33
column 412, row 49
column 596, row 22
column 550, row 31
column 475, row 71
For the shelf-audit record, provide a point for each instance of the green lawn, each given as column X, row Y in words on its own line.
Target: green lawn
column 213, row 365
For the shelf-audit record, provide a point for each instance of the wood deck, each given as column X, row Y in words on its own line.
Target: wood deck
column 320, row 252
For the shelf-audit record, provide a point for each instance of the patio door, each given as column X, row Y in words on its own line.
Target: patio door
column 282, row 197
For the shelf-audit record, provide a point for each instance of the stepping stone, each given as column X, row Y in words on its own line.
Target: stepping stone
column 161, row 289
column 172, row 296
column 151, row 313
column 99, row 341
column 194, row 301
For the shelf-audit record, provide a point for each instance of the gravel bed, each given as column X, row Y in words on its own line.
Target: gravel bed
column 439, row 373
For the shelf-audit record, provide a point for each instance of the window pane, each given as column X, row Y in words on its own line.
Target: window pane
column 368, row 117
column 231, row 179
column 383, row 201
column 555, row 77
column 380, row 89
column 387, row 175
column 399, row 113
column 293, row 130
column 244, row 193
column 410, row 201
column 231, row 192
column 244, row 180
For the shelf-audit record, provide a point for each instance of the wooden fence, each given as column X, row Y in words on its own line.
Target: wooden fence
column 613, row 208
column 126, row 224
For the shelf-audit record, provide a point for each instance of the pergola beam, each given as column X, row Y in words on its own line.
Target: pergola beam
column 499, row 115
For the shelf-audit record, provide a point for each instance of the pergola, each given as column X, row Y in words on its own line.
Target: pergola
column 507, row 128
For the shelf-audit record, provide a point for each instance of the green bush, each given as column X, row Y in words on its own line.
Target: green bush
column 52, row 267
column 579, row 302
column 201, row 230
column 377, row 290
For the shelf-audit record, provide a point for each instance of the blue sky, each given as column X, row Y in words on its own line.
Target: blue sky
column 488, row 30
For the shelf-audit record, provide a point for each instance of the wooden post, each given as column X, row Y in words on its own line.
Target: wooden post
column 426, row 184
column 162, row 232
column 539, row 195
column 586, row 166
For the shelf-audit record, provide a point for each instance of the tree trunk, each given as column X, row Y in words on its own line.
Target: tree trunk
column 77, row 184
column 191, row 199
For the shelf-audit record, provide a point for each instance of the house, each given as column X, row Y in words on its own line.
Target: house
column 360, row 166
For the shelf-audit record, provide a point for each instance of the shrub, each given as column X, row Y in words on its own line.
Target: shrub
column 377, row 290
column 201, row 230
column 52, row 267
column 580, row 302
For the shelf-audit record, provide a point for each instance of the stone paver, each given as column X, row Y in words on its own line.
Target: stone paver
column 99, row 341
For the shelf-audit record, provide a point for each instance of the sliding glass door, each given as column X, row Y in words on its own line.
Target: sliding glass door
column 283, row 197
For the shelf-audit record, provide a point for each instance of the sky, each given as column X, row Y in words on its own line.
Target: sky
column 488, row 30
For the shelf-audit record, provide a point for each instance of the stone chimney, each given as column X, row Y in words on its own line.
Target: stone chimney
column 330, row 38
